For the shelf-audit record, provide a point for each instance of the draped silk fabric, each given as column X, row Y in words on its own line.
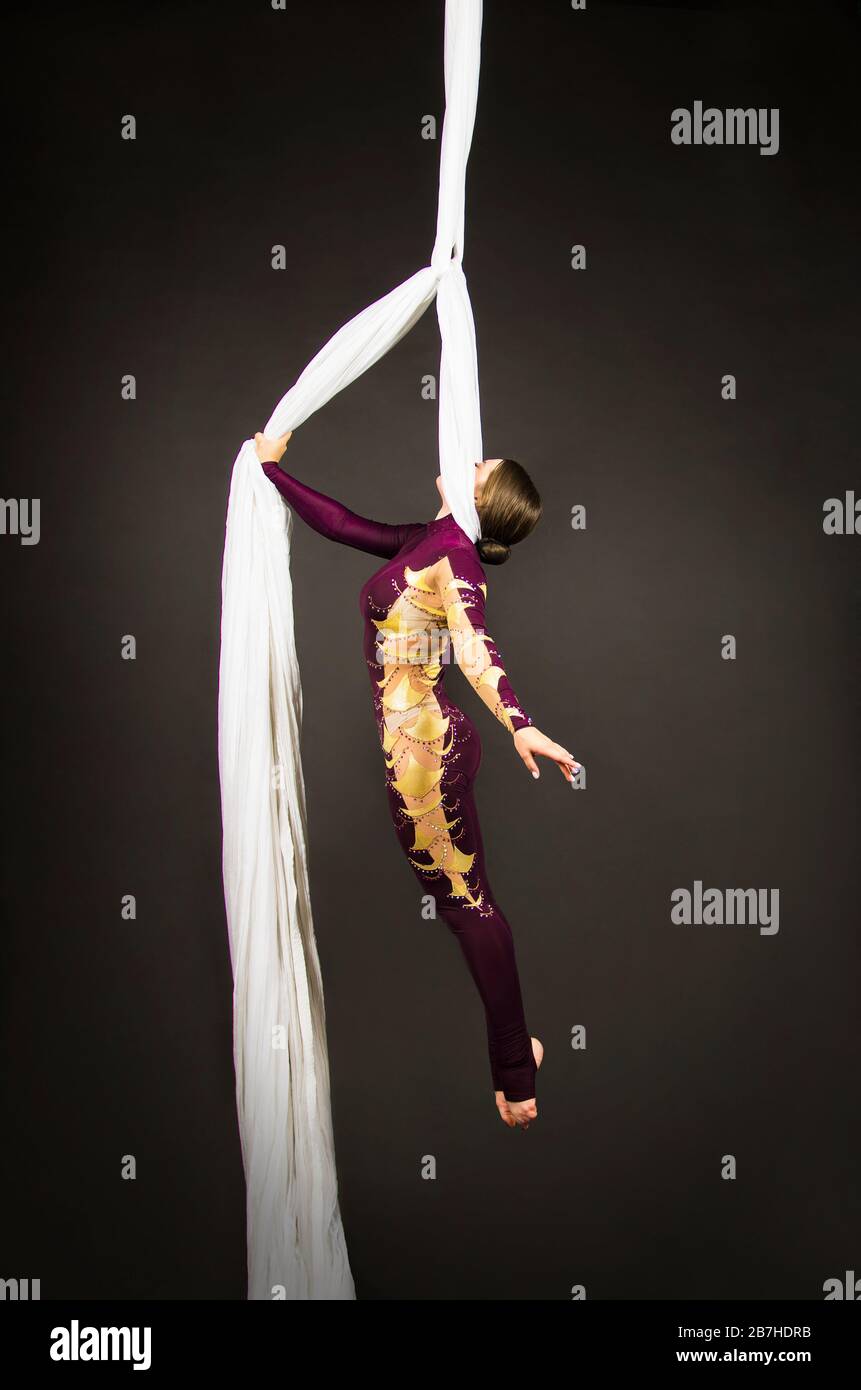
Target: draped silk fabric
column 296, row 1246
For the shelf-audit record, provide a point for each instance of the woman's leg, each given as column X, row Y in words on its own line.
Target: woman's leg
column 441, row 835
column 487, row 943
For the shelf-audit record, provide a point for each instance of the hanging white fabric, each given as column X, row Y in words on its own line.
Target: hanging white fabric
column 296, row 1246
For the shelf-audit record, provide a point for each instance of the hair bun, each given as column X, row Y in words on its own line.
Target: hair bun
column 492, row 552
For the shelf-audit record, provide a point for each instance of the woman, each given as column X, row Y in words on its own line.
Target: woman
column 432, row 588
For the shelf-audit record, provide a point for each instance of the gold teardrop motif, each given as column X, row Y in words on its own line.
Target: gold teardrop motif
column 416, row 781
column 392, row 623
column 416, row 580
column 426, row 834
column 428, row 726
column 403, row 696
column 436, row 860
column 492, row 676
column 457, row 862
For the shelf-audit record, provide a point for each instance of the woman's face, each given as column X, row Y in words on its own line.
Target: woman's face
column 482, row 473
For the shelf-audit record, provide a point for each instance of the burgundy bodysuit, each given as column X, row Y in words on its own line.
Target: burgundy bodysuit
column 425, row 603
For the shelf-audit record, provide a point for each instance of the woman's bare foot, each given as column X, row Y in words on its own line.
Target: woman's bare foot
column 516, row 1113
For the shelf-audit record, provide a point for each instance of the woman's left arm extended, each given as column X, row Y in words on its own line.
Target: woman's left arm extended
column 325, row 515
column 463, row 591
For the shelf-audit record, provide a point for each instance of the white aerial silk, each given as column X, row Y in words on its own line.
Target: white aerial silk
column 296, row 1246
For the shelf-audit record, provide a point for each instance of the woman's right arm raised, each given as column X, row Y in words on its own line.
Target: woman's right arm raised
column 330, row 518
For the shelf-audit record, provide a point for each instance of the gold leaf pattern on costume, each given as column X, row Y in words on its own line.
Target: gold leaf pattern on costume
column 429, row 607
column 429, row 726
column 460, row 890
column 417, row 780
column 425, row 608
column 436, row 857
column 418, row 811
column 458, row 862
column 404, row 695
column 392, row 623
column 426, row 834
column 491, row 676
column 417, row 580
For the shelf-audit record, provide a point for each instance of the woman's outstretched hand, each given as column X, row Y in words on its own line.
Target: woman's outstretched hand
column 270, row 450
column 530, row 742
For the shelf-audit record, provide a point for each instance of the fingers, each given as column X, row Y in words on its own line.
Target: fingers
column 562, row 757
column 565, row 761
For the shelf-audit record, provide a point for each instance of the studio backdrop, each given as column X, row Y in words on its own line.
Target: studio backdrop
column 665, row 302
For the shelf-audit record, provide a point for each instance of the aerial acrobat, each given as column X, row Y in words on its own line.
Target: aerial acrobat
column 426, row 600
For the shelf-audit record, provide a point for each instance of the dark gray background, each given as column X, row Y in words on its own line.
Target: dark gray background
column 704, row 518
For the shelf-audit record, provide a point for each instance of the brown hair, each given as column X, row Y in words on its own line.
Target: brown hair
column 508, row 508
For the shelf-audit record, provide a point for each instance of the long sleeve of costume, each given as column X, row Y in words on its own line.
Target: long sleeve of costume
column 335, row 521
column 464, row 593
